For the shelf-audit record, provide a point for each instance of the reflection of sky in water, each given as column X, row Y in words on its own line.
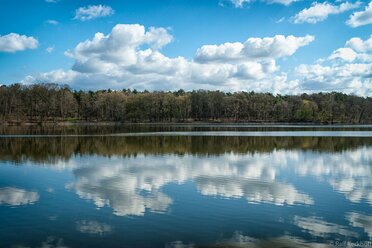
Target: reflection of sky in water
column 289, row 193
column 132, row 185
column 17, row 197
column 93, row 227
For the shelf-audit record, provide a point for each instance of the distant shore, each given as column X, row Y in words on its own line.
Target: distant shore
column 187, row 122
column 50, row 104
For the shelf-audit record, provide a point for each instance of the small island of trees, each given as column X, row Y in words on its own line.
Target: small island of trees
column 41, row 103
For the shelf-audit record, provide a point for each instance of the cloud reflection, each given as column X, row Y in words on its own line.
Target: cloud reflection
column 320, row 228
column 124, row 192
column 179, row 244
column 349, row 172
column 253, row 190
column 50, row 242
column 17, row 197
column 362, row 221
column 238, row 240
column 132, row 186
column 93, row 227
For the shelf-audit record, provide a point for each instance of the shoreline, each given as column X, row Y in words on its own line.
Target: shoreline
column 222, row 123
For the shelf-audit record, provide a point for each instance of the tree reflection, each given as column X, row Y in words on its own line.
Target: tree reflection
column 53, row 149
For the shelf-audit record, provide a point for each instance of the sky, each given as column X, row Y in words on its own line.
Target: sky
column 277, row 46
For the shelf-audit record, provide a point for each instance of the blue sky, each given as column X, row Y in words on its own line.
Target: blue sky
column 279, row 46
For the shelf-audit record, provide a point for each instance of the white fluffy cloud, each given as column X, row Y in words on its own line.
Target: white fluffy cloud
column 355, row 49
column 359, row 45
column 284, row 2
column 361, row 18
column 320, row 11
column 348, row 78
column 130, row 56
column 93, row 12
column 344, row 53
column 16, row 197
column 347, row 69
column 119, row 48
column 67, row 77
column 240, row 3
column 14, row 42
column 253, row 49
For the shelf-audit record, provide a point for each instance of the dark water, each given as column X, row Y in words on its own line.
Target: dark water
column 186, row 186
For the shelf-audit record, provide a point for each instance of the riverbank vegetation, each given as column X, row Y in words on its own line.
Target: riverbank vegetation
column 41, row 103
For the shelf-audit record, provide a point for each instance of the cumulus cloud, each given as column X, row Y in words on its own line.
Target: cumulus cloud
column 93, row 227
column 355, row 50
column 348, row 69
column 14, row 42
column 17, row 197
column 92, row 12
column 361, row 18
column 284, row 2
column 119, row 48
column 347, row 54
column 348, row 78
column 130, row 56
column 359, row 45
column 320, row 11
column 53, row 76
column 240, row 3
column 253, row 49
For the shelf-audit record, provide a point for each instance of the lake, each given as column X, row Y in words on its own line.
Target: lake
column 199, row 185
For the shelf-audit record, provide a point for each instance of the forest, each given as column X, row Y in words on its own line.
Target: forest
column 44, row 103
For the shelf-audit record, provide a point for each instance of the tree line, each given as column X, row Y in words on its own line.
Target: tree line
column 53, row 103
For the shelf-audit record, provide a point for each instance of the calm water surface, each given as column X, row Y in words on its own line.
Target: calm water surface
column 186, row 186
